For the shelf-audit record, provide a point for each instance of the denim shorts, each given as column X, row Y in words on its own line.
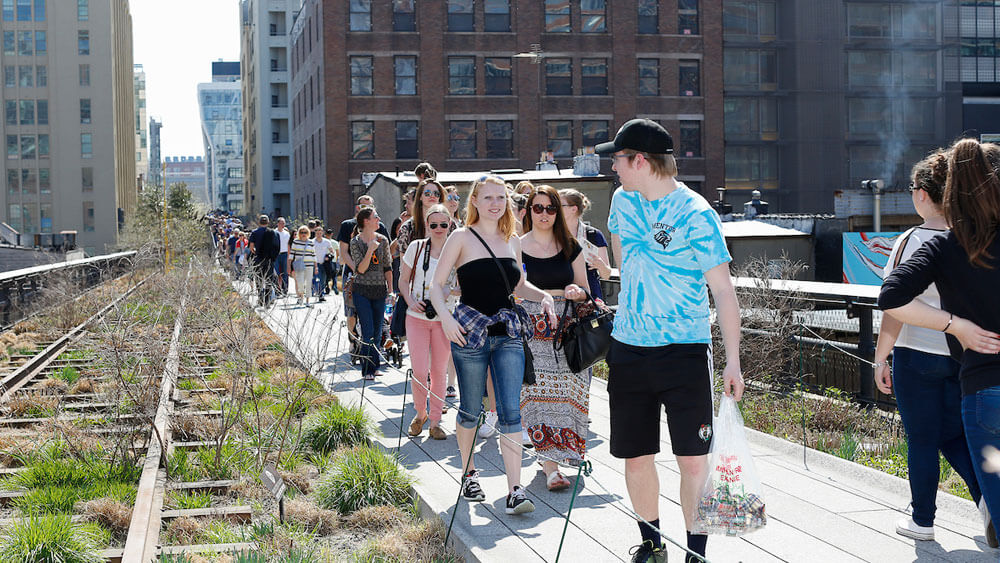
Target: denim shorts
column 504, row 356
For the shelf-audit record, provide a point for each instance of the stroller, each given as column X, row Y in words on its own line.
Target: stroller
column 391, row 345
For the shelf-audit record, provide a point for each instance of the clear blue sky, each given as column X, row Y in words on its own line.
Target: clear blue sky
column 176, row 42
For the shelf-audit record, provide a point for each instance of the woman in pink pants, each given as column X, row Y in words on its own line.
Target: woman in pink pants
column 429, row 347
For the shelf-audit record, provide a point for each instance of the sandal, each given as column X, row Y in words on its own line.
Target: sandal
column 417, row 425
column 556, row 481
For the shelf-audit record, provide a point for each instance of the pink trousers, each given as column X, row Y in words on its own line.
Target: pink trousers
column 429, row 352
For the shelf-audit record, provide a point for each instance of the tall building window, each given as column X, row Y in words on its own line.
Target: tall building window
column 88, row 216
column 649, row 77
column 868, row 68
column 593, row 16
column 27, row 147
column 25, row 76
column 83, row 42
column 13, row 181
column 87, row 178
column 43, row 146
column 82, row 10
column 29, row 181
column 361, row 76
column 752, row 69
column 10, row 112
column 86, row 145
column 406, row 75
column 406, row 139
column 12, row 149
column 752, row 166
column 27, row 112
column 462, row 139
column 559, row 77
column 43, row 112
column 9, row 43
column 85, row 110
column 498, row 76
column 46, row 212
column 361, row 15
column 689, row 78
column 404, row 17
column 557, row 16
column 84, row 75
column 559, row 137
column 687, row 17
column 39, row 10
column 499, row 139
column 497, row 15
column 594, row 132
column 10, row 76
column 362, row 140
column 751, row 18
column 460, row 17
column 42, row 78
column 750, row 118
column 649, row 16
column 41, row 44
column 24, row 10
column 44, row 181
column 8, row 10
column 901, row 20
column 690, row 137
column 594, row 77
column 24, row 43
column 462, row 76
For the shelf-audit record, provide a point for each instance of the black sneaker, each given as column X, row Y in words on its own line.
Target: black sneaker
column 471, row 490
column 646, row 552
column 451, row 394
column 518, row 503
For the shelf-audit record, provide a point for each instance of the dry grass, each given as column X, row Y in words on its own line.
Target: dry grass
column 378, row 518
column 418, row 541
column 110, row 513
column 53, row 386
column 11, row 445
column 270, row 359
column 249, row 489
column 323, row 400
column 305, row 512
column 183, row 530
column 302, row 478
column 196, row 427
column 23, row 404
column 28, row 325
column 84, row 386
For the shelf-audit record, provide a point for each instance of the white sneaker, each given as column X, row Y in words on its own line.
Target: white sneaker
column 489, row 427
column 991, row 533
column 907, row 527
column 526, row 439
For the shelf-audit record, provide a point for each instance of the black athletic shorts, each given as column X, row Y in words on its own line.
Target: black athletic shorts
column 641, row 379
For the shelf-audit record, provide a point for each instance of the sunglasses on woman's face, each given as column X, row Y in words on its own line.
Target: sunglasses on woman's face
column 453, row 197
column 438, row 225
column 539, row 208
column 434, row 193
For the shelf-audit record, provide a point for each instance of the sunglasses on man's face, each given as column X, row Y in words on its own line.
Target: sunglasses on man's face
column 438, row 225
column 539, row 208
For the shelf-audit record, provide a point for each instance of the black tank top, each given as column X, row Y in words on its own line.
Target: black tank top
column 554, row 272
column 483, row 288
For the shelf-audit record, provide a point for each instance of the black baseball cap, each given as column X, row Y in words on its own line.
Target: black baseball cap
column 643, row 135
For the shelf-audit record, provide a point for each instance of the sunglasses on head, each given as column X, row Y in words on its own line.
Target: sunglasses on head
column 539, row 208
column 438, row 225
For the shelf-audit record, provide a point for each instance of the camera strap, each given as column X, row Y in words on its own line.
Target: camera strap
column 427, row 264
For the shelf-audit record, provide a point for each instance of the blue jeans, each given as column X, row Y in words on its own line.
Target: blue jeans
column 929, row 400
column 505, row 358
column 981, row 417
column 281, row 268
column 370, row 314
column 319, row 280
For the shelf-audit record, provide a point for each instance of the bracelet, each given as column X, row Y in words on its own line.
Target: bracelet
column 951, row 317
column 880, row 364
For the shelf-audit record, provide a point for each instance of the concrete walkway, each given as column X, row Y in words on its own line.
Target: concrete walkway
column 833, row 510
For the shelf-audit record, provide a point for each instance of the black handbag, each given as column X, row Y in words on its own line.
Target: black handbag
column 397, row 325
column 584, row 339
column 522, row 315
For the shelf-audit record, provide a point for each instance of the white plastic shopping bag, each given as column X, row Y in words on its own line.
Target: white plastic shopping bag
column 731, row 501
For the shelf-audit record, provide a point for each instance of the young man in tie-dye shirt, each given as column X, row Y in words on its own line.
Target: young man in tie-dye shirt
column 671, row 247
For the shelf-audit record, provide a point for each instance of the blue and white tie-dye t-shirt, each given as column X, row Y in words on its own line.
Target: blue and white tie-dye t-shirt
column 667, row 247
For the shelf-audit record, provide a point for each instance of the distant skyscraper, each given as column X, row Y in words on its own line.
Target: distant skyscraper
column 69, row 126
column 141, row 144
column 191, row 171
column 264, row 62
column 155, row 160
column 221, row 106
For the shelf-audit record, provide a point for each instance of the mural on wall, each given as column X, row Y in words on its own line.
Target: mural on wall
column 865, row 256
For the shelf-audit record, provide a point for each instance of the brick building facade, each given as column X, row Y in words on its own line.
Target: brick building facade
column 383, row 85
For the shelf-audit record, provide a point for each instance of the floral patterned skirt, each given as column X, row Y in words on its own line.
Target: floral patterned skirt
column 555, row 410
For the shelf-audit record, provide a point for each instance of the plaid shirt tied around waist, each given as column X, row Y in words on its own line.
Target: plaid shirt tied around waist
column 475, row 324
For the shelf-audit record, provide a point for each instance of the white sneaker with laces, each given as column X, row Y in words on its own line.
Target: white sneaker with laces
column 526, row 439
column 991, row 533
column 490, row 426
column 907, row 527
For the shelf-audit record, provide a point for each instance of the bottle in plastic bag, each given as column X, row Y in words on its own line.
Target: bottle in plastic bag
column 731, row 501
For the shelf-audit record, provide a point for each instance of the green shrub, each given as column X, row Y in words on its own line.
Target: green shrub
column 364, row 476
column 185, row 500
column 50, row 538
column 68, row 374
column 335, row 426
